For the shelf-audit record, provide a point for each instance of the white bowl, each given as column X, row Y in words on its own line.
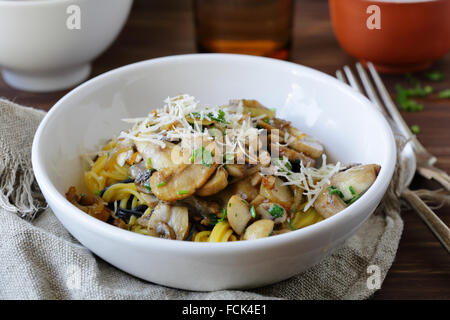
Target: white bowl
column 350, row 128
column 39, row 52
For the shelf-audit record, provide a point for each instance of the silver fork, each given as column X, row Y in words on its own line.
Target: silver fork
column 423, row 161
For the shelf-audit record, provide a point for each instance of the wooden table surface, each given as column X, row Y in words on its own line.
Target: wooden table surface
column 421, row 269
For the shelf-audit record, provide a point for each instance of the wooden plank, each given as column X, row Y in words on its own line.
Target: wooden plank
column 159, row 28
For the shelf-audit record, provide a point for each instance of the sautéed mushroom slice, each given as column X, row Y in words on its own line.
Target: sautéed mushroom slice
column 238, row 214
column 259, row 229
column 92, row 205
column 155, row 157
column 273, row 188
column 215, row 184
column 182, row 183
column 171, row 222
column 345, row 188
column 356, row 180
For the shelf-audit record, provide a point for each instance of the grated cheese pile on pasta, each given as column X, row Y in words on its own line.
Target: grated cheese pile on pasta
column 189, row 171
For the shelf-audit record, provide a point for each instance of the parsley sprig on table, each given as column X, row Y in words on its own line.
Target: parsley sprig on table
column 415, row 129
column 444, row 94
column 438, row 76
column 435, row 76
column 404, row 95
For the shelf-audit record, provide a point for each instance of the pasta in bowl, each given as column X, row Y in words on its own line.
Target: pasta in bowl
column 90, row 116
column 204, row 173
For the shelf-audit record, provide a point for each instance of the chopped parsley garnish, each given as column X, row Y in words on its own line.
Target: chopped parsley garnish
column 428, row 89
column 220, row 117
column 96, row 192
column 435, row 76
column 352, row 191
column 291, row 224
column 404, row 97
column 253, row 212
column 354, row 196
column 266, row 120
column 161, row 184
column 409, row 105
column 147, row 186
column 284, row 166
column 444, row 94
column 206, row 156
column 279, row 162
column 289, row 166
column 276, row 211
column 213, row 220
column 182, row 192
column 352, row 199
column 335, row 190
column 193, row 156
column 415, row 129
column 149, row 163
column 224, row 215
column 418, row 91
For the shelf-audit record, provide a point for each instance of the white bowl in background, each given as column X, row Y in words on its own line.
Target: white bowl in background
column 38, row 52
column 342, row 119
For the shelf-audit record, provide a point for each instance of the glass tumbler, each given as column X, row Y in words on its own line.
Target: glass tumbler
column 256, row 27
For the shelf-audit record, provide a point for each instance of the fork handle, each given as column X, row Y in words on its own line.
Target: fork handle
column 439, row 229
column 436, row 174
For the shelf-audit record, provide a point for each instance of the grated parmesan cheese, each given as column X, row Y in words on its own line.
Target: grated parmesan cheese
column 170, row 123
column 311, row 180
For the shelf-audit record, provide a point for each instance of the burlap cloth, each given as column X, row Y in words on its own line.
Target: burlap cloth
column 38, row 256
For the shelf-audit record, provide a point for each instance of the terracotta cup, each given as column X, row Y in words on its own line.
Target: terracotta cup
column 396, row 35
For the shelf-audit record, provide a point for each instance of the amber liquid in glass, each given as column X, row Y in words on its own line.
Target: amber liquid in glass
column 257, row 27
